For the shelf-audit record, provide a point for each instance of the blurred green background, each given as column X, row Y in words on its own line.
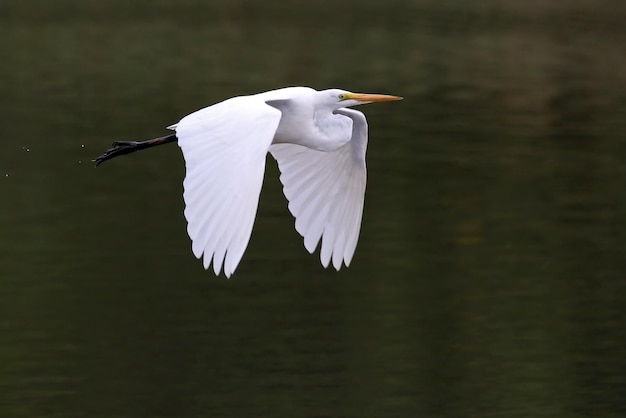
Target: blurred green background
column 489, row 280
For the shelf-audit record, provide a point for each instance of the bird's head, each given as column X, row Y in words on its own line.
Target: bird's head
column 342, row 98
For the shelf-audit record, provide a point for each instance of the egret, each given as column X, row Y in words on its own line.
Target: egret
column 319, row 144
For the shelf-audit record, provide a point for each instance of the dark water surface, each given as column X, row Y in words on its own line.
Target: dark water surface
column 490, row 278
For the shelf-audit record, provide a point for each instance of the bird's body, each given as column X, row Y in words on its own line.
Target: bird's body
column 319, row 144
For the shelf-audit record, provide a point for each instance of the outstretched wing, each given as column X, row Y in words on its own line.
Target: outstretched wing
column 224, row 147
column 326, row 191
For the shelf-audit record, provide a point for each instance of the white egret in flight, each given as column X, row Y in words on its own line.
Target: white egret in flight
column 319, row 144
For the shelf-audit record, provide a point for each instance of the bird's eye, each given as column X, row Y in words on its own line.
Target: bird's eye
column 342, row 97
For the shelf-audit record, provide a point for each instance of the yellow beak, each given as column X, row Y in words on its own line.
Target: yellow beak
column 369, row 98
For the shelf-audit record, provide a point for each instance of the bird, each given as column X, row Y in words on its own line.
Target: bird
column 319, row 143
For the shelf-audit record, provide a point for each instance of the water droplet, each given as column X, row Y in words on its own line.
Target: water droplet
column 82, row 146
column 27, row 149
column 6, row 175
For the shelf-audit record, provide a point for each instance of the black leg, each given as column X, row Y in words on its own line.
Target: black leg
column 126, row 147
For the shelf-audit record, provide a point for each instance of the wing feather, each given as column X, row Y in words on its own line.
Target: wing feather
column 326, row 191
column 224, row 147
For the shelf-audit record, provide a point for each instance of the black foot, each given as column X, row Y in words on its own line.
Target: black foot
column 119, row 148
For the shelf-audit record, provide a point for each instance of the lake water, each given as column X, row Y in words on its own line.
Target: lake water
column 489, row 280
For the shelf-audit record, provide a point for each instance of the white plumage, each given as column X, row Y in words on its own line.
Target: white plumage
column 320, row 147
